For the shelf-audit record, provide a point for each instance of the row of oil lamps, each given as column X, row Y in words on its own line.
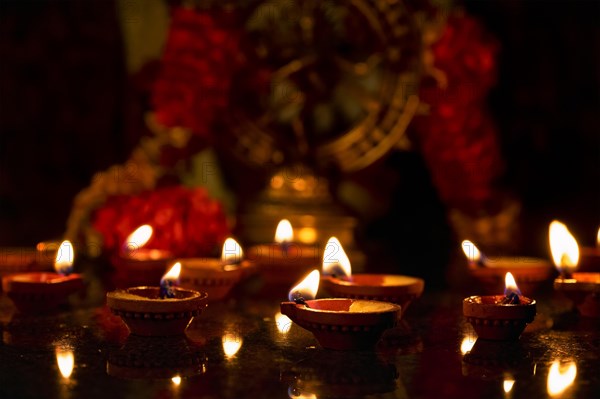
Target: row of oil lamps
column 362, row 307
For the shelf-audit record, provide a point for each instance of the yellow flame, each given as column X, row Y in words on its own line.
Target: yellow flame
column 173, row 273
column 139, row 237
column 298, row 394
column 598, row 238
column 231, row 344
column 335, row 259
column 471, row 251
column 467, row 344
column 64, row 257
column 176, row 380
column 284, row 232
column 508, row 385
column 561, row 377
column 283, row 323
column 232, row 252
column 564, row 248
column 510, row 285
column 308, row 287
column 66, row 361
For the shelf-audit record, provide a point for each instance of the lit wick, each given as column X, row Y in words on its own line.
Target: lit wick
column 169, row 281
column 511, row 291
column 306, row 289
column 335, row 261
column 284, row 234
column 473, row 254
column 564, row 249
column 232, row 253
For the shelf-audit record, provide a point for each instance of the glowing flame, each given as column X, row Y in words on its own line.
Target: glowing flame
column 307, row 288
column 172, row 274
column 561, row 377
column 295, row 393
column 284, row 232
column 471, row 251
column 64, row 258
column 467, row 344
column 176, row 380
column 231, row 344
column 508, row 385
column 510, row 285
column 598, row 238
column 232, row 252
column 138, row 238
column 564, row 248
column 335, row 260
column 283, row 323
column 66, row 361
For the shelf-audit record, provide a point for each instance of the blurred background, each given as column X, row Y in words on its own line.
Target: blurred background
column 75, row 84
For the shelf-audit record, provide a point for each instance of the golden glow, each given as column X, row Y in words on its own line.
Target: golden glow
column 176, row 380
column 561, row 377
column 283, row 323
column 467, row 344
column 307, row 235
column 510, row 285
column 284, row 232
column 307, row 288
column 66, row 361
column 64, row 257
column 564, row 248
column 471, row 251
column 598, row 238
column 138, row 238
column 231, row 344
column 232, row 252
column 335, row 260
column 298, row 394
column 173, row 273
column 508, row 385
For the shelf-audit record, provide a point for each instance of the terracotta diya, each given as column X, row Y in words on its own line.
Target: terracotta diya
column 214, row 276
column 283, row 262
column 339, row 281
column 43, row 291
column 500, row 317
column 582, row 288
column 530, row 273
column 158, row 311
column 339, row 323
column 136, row 264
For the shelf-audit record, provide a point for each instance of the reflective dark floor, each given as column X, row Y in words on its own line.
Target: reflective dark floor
column 244, row 348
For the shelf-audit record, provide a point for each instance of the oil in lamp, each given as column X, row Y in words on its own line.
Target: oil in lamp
column 43, row 291
column 339, row 281
column 137, row 264
column 583, row 288
column 215, row 276
column 500, row 317
column 339, row 323
column 530, row 273
column 158, row 311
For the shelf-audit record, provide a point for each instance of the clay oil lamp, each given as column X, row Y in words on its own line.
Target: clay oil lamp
column 339, row 323
column 583, row 288
column 339, row 281
column 137, row 264
column 158, row 311
column 530, row 273
column 22, row 260
column 500, row 317
column 283, row 262
column 35, row 292
column 215, row 276
column 590, row 257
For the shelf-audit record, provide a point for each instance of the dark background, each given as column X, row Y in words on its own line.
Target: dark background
column 68, row 109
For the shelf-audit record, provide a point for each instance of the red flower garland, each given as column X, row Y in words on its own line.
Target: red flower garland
column 186, row 221
column 458, row 139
